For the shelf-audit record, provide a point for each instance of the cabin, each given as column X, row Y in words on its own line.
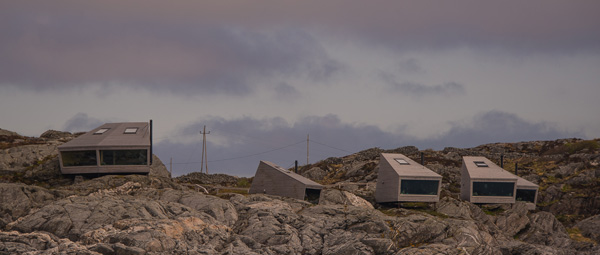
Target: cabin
column 272, row 179
column 527, row 192
column 111, row 148
column 401, row 179
column 482, row 181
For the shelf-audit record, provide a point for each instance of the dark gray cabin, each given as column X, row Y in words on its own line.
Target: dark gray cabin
column 272, row 179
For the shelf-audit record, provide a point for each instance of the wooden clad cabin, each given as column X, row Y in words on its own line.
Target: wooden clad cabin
column 401, row 179
column 272, row 179
column 110, row 148
column 527, row 192
column 482, row 181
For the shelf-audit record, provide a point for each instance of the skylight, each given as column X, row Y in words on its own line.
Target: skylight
column 101, row 131
column 402, row 161
column 130, row 130
column 480, row 164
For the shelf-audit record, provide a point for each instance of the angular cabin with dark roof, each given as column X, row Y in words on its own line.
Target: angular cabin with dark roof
column 482, row 181
column 110, row 148
column 401, row 179
column 272, row 179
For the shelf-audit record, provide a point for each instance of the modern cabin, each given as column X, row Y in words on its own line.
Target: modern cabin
column 401, row 179
column 272, row 179
column 110, row 148
column 482, row 181
column 527, row 192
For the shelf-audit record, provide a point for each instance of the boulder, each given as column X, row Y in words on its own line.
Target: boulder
column 590, row 227
column 545, row 229
column 315, row 173
column 55, row 135
column 514, row 220
column 340, row 197
column 158, row 168
column 18, row 200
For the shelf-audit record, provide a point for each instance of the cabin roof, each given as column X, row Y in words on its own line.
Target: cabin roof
column 113, row 135
column 308, row 182
column 407, row 167
column 491, row 171
column 525, row 184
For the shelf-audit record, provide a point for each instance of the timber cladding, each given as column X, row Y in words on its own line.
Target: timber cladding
column 401, row 179
column 273, row 180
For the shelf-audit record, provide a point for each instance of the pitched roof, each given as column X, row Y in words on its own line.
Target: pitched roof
column 293, row 175
column 114, row 135
column 408, row 170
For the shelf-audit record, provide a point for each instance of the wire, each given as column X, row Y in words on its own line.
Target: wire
column 255, row 154
column 329, row 146
column 246, row 156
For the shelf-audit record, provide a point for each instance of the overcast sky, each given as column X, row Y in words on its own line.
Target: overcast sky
column 261, row 75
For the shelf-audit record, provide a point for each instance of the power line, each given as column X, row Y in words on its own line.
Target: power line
column 330, row 146
column 255, row 154
column 246, row 156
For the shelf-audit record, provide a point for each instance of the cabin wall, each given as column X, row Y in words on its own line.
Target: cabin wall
column 419, row 197
column 388, row 183
column 465, row 183
column 273, row 182
column 492, row 199
column 98, row 167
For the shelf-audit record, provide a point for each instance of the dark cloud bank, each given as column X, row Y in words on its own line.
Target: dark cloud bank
column 206, row 47
column 245, row 141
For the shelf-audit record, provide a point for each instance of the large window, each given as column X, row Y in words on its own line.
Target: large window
column 78, row 158
column 124, row 157
column 495, row 189
column 419, row 187
column 527, row 195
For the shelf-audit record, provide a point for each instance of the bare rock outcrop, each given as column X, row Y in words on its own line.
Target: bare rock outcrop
column 590, row 227
column 341, row 197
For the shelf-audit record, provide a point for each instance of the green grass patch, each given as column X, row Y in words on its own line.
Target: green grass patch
column 492, row 211
column 575, row 235
column 543, row 204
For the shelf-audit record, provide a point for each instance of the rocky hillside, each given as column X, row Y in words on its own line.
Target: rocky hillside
column 154, row 214
column 567, row 171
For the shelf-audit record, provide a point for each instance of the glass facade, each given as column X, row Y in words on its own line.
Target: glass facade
column 526, row 195
column 124, row 157
column 419, row 187
column 78, row 158
column 495, row 189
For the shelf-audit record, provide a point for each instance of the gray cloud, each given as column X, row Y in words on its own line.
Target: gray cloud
column 235, row 146
column 211, row 47
column 410, row 65
column 81, row 122
column 420, row 90
column 285, row 91
column 497, row 126
column 54, row 49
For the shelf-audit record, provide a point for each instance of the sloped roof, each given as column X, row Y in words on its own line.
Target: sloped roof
column 525, row 184
column 295, row 176
column 115, row 136
column 412, row 169
column 492, row 171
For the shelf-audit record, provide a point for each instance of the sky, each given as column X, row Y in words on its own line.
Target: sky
column 263, row 76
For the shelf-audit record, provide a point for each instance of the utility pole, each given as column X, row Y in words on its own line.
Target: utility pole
column 204, row 151
column 307, row 136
